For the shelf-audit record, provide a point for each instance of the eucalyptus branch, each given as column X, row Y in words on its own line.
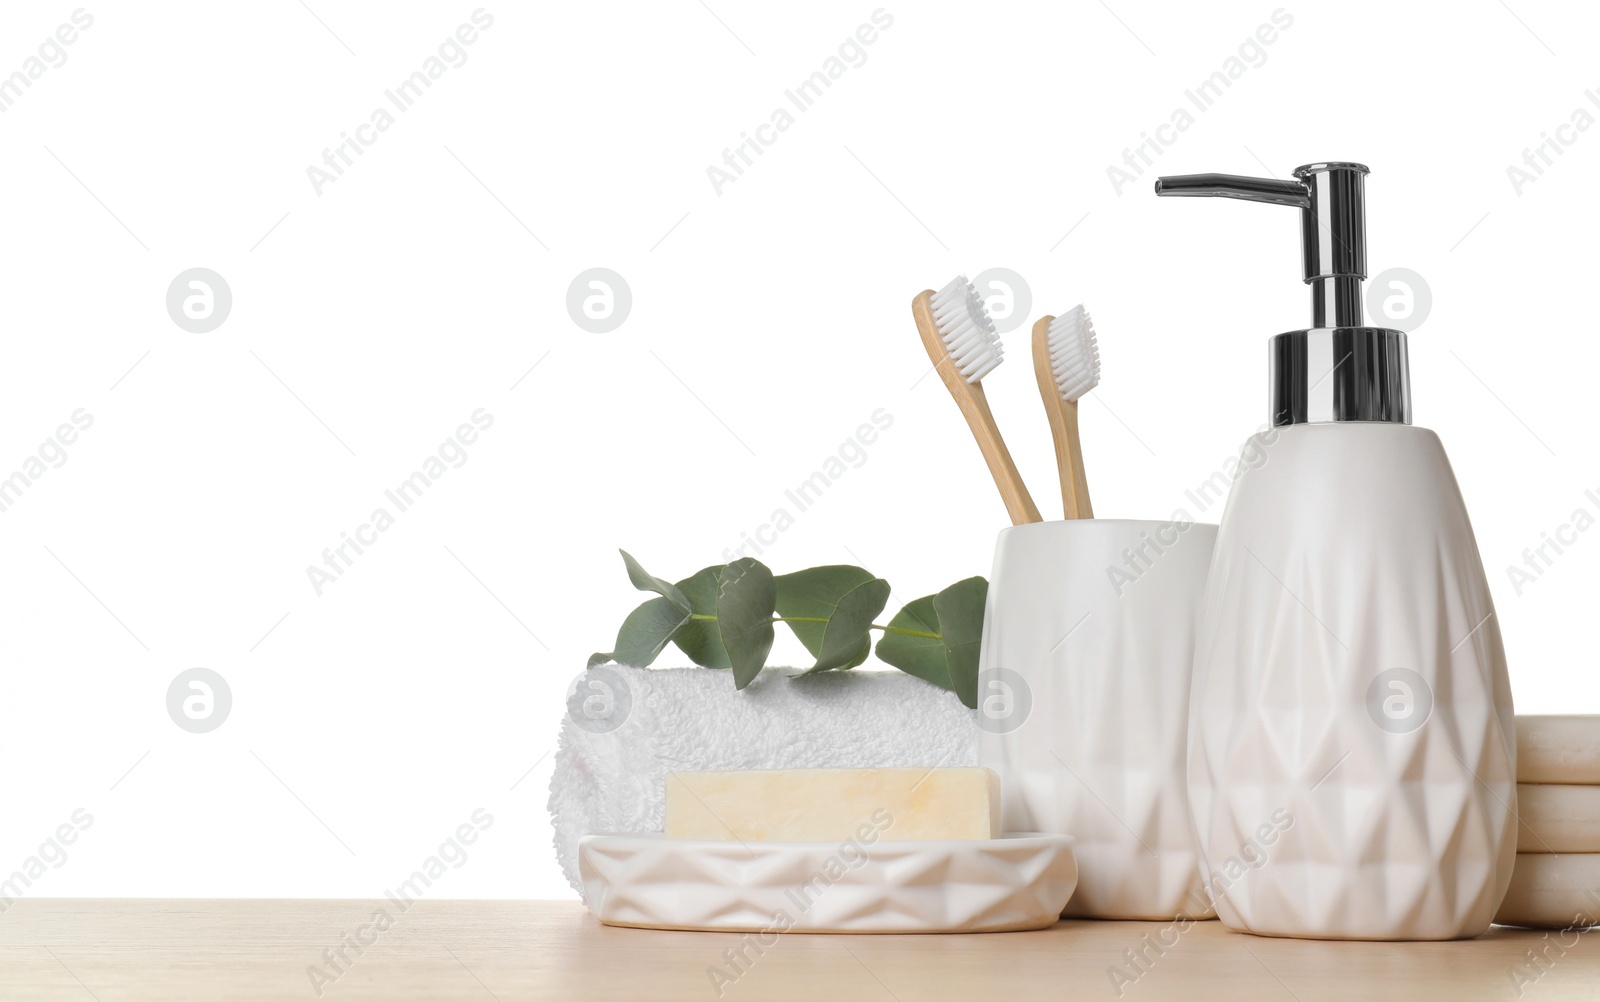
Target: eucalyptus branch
column 697, row 617
column 724, row 616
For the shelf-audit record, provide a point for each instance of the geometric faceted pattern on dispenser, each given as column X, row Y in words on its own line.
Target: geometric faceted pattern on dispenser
column 1352, row 759
column 993, row 885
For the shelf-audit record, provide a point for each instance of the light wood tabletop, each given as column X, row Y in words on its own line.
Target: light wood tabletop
column 500, row 951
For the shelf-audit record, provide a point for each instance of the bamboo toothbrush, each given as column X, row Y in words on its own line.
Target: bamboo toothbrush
column 1066, row 362
column 964, row 346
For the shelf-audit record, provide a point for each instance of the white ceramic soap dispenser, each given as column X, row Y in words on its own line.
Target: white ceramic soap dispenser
column 1351, row 746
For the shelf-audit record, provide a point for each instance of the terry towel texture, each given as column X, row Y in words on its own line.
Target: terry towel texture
column 693, row 718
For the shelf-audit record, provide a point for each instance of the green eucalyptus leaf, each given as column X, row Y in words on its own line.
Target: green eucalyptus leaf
column 644, row 581
column 746, row 599
column 922, row 656
column 845, row 639
column 644, row 634
column 701, row 639
column 863, row 652
column 960, row 609
column 814, row 593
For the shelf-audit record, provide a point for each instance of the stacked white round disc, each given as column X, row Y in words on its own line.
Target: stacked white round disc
column 1556, row 883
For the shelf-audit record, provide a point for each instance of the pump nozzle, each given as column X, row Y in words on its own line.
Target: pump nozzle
column 1338, row 370
column 1333, row 227
column 1252, row 189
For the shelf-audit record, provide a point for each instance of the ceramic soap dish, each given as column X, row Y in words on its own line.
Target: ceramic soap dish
column 1015, row 882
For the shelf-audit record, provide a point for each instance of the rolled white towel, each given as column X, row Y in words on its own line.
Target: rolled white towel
column 693, row 718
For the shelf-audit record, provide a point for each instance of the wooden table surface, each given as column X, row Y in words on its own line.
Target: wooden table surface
column 500, row 951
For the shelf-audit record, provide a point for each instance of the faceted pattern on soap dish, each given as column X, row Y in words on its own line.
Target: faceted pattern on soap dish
column 933, row 886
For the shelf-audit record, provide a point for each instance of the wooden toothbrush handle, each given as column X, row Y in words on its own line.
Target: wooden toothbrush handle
column 1073, row 469
column 975, row 408
column 1063, row 427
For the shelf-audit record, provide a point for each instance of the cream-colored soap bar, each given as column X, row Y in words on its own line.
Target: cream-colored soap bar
column 1557, row 818
column 834, row 805
column 1558, row 749
column 1553, row 892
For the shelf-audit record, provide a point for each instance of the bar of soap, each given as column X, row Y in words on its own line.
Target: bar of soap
column 1558, row 749
column 1553, row 892
column 1558, row 818
column 834, row 805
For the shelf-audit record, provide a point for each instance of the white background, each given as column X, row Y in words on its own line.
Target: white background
column 768, row 322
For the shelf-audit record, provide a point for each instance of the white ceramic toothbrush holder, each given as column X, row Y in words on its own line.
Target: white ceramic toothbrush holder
column 1083, row 702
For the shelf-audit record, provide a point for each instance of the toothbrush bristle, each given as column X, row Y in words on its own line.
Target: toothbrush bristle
column 1074, row 355
column 968, row 333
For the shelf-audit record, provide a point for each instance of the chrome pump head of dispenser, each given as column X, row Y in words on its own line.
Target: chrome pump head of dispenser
column 1337, row 369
